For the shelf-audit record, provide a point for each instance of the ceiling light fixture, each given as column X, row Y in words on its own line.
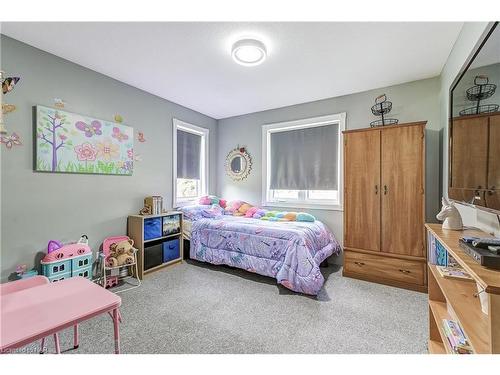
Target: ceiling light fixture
column 249, row 52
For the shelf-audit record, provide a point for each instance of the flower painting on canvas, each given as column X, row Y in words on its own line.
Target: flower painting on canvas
column 71, row 143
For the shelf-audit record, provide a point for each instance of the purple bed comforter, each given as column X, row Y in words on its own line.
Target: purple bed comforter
column 291, row 252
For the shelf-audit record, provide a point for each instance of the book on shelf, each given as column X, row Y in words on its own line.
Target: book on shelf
column 156, row 204
column 456, row 337
column 454, row 273
column 437, row 253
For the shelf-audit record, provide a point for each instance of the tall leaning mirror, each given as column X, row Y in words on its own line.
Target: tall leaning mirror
column 474, row 133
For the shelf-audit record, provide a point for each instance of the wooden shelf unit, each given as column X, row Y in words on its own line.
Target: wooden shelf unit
column 457, row 300
column 136, row 231
column 384, row 203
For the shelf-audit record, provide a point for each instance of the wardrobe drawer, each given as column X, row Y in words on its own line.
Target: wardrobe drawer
column 400, row 270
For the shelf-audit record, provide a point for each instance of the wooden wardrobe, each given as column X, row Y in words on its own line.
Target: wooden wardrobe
column 384, row 205
column 474, row 169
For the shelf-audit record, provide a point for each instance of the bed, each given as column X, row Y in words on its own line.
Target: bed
column 290, row 252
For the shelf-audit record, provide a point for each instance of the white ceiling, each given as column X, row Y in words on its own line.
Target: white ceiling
column 190, row 63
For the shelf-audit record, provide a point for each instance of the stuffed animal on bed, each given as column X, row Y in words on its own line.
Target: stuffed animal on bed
column 243, row 209
column 288, row 216
column 259, row 213
column 251, row 211
column 209, row 200
column 303, row 216
column 233, row 206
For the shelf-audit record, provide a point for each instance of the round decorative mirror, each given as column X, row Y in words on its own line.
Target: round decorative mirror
column 238, row 163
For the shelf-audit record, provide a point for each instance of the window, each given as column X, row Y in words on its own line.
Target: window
column 302, row 163
column 190, row 162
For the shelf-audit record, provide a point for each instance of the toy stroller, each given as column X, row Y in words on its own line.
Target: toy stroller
column 111, row 276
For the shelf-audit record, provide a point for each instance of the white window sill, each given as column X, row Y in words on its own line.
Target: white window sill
column 308, row 205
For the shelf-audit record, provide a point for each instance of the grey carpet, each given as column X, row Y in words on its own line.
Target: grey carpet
column 198, row 308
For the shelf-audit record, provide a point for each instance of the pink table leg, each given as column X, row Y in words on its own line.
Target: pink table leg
column 42, row 345
column 116, row 323
column 56, row 342
column 76, row 343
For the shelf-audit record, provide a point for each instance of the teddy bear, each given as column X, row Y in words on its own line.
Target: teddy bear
column 121, row 253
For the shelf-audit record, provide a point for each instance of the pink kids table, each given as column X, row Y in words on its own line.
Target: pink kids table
column 36, row 312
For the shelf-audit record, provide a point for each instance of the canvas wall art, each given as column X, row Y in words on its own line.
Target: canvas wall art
column 71, row 143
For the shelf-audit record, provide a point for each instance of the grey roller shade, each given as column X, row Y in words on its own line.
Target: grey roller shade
column 188, row 155
column 305, row 159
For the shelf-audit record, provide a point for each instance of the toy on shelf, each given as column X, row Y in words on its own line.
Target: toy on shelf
column 64, row 261
column 118, row 259
column 23, row 273
column 146, row 210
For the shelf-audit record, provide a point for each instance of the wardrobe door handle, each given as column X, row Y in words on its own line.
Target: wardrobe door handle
column 376, row 189
column 385, row 190
column 359, row 263
column 404, row 271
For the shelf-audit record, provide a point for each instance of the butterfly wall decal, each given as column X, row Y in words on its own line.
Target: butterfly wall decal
column 93, row 129
column 11, row 140
column 9, row 83
column 7, row 108
column 59, row 103
column 140, row 137
column 117, row 134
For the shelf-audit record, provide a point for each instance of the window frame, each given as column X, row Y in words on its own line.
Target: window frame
column 268, row 129
column 204, row 133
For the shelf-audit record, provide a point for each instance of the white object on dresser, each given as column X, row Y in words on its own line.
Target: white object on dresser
column 451, row 216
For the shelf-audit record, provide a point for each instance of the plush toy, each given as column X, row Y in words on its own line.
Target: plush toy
column 302, row 216
column 268, row 215
column 243, row 209
column 259, row 213
column 291, row 216
column 212, row 199
column 233, row 206
column 121, row 253
column 251, row 211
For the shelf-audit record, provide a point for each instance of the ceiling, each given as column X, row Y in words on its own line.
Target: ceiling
column 190, row 63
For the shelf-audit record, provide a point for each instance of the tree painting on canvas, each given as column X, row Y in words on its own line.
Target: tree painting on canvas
column 71, row 143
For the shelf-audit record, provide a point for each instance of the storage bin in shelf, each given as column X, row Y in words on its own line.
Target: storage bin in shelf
column 158, row 239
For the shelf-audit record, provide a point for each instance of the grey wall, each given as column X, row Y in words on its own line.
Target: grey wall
column 412, row 101
column 467, row 40
column 37, row 207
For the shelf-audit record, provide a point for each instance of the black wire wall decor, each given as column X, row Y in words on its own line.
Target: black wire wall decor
column 481, row 90
column 381, row 108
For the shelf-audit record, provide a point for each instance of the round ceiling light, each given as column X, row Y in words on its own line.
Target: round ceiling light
column 249, row 52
